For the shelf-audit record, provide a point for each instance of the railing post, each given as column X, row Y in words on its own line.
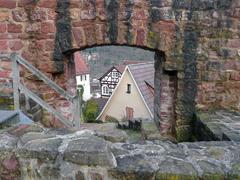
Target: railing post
column 76, row 111
column 16, row 80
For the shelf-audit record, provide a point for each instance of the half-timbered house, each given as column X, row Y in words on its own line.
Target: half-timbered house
column 110, row 79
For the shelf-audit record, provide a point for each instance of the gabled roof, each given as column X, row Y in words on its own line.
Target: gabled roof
column 101, row 102
column 106, row 73
column 80, row 65
column 128, row 62
column 143, row 75
column 121, row 67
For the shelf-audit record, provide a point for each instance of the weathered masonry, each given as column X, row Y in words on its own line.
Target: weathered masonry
column 197, row 45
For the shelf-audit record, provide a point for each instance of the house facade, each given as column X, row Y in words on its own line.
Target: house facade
column 109, row 81
column 133, row 96
column 82, row 75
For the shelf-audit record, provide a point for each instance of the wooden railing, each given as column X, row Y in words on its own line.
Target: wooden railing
column 19, row 87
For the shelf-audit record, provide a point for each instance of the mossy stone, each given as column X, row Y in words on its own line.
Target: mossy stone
column 183, row 133
column 213, row 177
column 164, row 176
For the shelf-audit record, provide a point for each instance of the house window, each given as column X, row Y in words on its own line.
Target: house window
column 85, row 77
column 128, row 88
column 105, row 90
column 115, row 74
column 81, row 77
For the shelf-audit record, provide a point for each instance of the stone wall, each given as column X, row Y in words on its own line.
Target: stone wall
column 199, row 39
column 31, row 152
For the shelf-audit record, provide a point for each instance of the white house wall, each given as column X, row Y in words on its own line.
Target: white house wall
column 110, row 81
column 85, row 84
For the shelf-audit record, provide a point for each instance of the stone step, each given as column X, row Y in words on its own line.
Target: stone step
column 8, row 118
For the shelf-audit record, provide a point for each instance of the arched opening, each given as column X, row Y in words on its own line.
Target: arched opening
column 158, row 94
column 129, row 23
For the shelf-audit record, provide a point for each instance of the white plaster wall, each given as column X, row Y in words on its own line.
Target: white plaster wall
column 85, row 84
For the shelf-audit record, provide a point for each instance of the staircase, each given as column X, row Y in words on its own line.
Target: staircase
column 14, row 117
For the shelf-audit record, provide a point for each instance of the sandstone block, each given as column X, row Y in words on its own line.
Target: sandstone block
column 38, row 15
column 90, row 151
column 79, row 36
column 233, row 43
column 8, row 4
column 10, row 164
column 49, row 45
column 19, row 15
column 3, row 27
column 14, row 28
column 4, row 15
column 235, row 76
column 33, row 28
column 3, row 45
column 47, row 4
column 48, row 27
column 24, row 3
column 15, row 45
column 44, row 149
column 141, row 36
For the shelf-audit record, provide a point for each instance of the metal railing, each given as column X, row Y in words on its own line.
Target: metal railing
column 19, row 87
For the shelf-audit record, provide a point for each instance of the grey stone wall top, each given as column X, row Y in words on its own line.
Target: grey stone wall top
column 57, row 156
column 224, row 125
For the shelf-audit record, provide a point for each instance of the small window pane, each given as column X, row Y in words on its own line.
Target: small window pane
column 114, row 74
column 129, row 88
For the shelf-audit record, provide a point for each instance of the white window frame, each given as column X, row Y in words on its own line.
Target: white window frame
column 115, row 74
column 105, row 90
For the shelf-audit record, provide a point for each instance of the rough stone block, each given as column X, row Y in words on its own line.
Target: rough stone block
column 15, row 45
column 14, row 28
column 3, row 45
column 44, row 149
column 8, row 4
column 235, row 76
column 90, row 151
column 19, row 15
column 3, row 27
column 47, row 4
column 48, row 27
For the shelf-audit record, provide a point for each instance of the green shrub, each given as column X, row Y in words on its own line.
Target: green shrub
column 90, row 111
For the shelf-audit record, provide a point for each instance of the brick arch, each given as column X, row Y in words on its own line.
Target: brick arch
column 128, row 23
column 131, row 23
column 165, row 83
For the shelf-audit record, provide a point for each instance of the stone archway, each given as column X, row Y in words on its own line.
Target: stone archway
column 165, row 99
column 132, row 24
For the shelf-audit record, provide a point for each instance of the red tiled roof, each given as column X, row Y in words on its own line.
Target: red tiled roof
column 143, row 75
column 80, row 65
